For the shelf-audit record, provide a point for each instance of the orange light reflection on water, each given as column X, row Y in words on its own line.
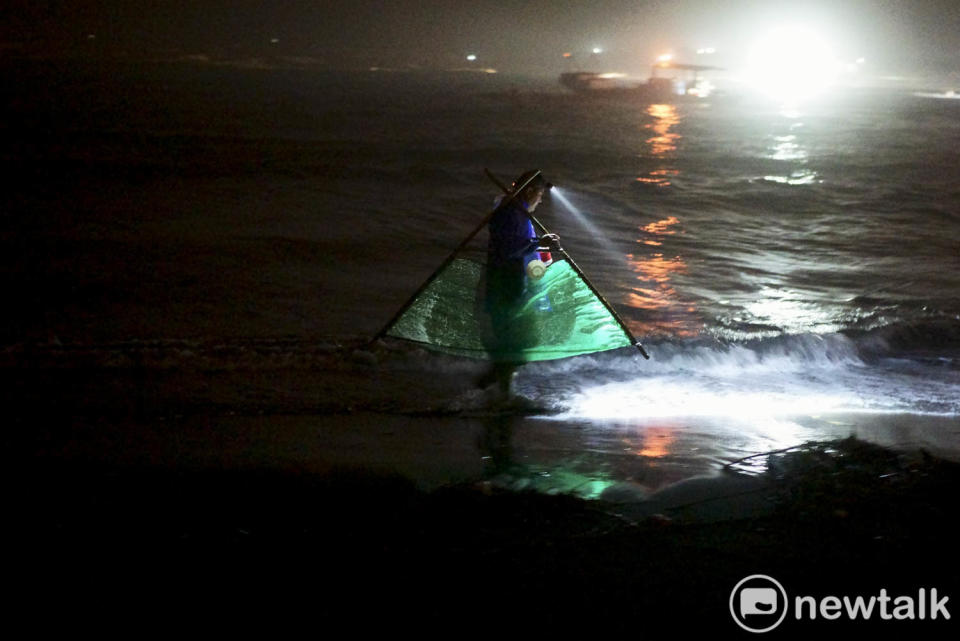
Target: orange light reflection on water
column 654, row 290
column 660, row 177
column 661, row 143
column 655, row 442
column 662, row 227
column 655, row 271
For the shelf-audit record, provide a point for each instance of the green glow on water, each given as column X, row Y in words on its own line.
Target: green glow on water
column 556, row 480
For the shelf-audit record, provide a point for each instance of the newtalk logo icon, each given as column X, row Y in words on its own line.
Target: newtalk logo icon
column 759, row 603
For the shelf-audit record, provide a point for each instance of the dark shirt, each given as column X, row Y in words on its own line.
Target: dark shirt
column 511, row 246
column 512, row 237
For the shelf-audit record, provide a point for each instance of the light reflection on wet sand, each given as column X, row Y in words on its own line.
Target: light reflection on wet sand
column 626, row 459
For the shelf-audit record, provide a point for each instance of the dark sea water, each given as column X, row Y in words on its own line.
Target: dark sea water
column 776, row 261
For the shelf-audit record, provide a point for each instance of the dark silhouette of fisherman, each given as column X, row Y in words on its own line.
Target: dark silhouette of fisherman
column 512, row 246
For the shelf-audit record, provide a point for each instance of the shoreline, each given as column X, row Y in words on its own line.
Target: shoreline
column 124, row 496
column 159, row 490
column 842, row 516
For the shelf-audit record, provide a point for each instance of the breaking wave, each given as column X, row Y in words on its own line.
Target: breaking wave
column 913, row 368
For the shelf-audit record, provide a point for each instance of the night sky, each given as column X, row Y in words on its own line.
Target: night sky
column 511, row 35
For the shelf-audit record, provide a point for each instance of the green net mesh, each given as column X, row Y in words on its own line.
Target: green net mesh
column 555, row 317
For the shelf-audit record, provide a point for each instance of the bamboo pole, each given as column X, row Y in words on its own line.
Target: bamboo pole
column 580, row 273
column 506, row 201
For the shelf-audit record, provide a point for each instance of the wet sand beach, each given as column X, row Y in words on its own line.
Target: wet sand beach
column 128, row 503
column 106, row 544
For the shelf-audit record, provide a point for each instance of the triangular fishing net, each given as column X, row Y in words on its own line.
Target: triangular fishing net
column 554, row 316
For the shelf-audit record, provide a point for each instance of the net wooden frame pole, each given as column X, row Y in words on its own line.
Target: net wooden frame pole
column 595, row 291
column 510, row 198
column 580, row 273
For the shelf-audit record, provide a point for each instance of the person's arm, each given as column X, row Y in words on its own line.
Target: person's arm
column 531, row 244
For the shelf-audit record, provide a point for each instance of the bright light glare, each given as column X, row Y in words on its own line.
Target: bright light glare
column 792, row 310
column 559, row 195
column 665, row 57
column 703, row 88
column 791, row 63
column 665, row 399
column 471, row 57
column 597, row 50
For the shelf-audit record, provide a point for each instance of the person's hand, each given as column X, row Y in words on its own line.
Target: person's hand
column 551, row 242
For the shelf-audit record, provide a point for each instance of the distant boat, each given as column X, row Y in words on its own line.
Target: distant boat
column 688, row 85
